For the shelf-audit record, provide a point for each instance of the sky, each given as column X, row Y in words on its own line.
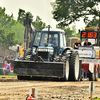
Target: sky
column 41, row 8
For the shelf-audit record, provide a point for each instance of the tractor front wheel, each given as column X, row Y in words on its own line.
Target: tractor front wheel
column 66, row 71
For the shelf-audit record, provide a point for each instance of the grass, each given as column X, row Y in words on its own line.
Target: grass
column 8, row 75
column 97, row 99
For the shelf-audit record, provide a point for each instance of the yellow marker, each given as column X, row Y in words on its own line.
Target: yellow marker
column 21, row 52
column 96, row 54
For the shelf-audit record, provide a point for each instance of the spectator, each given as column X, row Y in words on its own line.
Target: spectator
column 78, row 43
column 7, row 68
column 11, row 66
column 86, row 43
column 6, row 57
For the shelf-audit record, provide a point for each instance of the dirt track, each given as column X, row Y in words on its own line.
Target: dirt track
column 12, row 89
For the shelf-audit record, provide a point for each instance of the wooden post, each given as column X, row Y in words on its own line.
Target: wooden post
column 91, row 91
column 33, row 92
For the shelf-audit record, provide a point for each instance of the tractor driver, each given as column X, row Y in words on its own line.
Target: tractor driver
column 53, row 40
column 86, row 43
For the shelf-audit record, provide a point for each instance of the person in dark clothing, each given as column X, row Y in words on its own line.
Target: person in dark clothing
column 53, row 40
column 6, row 58
column 78, row 43
column 86, row 43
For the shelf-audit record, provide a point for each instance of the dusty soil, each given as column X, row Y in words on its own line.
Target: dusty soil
column 13, row 89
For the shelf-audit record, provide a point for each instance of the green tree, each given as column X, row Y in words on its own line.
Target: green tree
column 93, row 23
column 12, row 31
column 7, row 37
column 70, row 32
column 39, row 25
column 68, row 11
column 21, row 15
column 18, row 29
column 6, row 20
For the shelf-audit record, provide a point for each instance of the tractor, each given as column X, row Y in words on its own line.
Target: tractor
column 48, row 56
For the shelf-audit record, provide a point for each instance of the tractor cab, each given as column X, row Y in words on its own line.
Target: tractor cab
column 51, row 44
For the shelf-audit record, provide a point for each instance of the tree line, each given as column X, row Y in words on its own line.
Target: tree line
column 12, row 31
column 64, row 11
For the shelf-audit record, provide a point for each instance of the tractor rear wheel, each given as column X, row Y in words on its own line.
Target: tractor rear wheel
column 74, row 69
column 66, row 70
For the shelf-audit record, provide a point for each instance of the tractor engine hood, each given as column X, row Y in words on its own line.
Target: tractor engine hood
column 46, row 53
column 45, row 49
